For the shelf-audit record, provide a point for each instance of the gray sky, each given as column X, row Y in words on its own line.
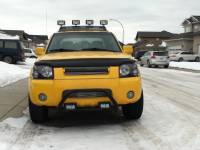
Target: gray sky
column 136, row 15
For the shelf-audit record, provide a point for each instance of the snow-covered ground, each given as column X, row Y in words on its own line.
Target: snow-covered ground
column 10, row 73
column 186, row 65
column 171, row 121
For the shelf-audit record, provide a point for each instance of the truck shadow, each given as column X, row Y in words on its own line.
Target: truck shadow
column 84, row 118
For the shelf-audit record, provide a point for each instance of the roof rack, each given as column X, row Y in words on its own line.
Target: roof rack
column 82, row 28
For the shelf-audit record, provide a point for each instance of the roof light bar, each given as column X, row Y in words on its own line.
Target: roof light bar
column 89, row 22
column 61, row 22
column 76, row 22
column 103, row 22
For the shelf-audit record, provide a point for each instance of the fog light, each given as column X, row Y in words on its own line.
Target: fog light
column 130, row 94
column 43, row 97
column 70, row 106
column 104, row 105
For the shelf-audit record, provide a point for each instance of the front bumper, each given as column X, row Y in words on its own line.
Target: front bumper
column 56, row 91
column 157, row 62
column 173, row 59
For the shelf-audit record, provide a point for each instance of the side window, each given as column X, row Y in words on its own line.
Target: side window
column 186, row 53
column 27, row 51
column 11, row 44
column 146, row 54
column 1, row 44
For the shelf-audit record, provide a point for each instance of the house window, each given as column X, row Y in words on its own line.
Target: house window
column 188, row 29
column 196, row 27
column 11, row 45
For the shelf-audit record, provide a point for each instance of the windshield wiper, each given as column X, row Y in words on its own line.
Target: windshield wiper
column 61, row 50
column 97, row 49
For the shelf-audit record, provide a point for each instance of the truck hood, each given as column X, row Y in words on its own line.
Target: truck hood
column 84, row 55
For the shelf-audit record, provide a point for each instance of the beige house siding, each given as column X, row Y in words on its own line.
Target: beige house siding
column 196, row 44
column 180, row 44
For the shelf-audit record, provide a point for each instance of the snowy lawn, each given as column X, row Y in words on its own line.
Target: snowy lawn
column 10, row 73
column 186, row 65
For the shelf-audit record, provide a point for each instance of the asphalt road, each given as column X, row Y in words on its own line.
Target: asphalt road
column 171, row 121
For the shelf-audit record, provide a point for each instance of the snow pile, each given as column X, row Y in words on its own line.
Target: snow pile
column 186, row 65
column 149, row 45
column 11, row 73
column 30, row 61
column 8, row 37
column 163, row 44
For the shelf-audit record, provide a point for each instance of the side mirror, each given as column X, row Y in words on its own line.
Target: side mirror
column 39, row 51
column 127, row 49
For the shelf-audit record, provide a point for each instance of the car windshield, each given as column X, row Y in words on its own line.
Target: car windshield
column 83, row 41
column 160, row 53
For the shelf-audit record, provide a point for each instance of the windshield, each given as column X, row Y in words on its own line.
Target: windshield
column 160, row 53
column 83, row 41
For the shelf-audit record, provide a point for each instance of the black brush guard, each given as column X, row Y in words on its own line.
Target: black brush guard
column 66, row 94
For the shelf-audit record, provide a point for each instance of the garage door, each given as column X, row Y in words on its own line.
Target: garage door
column 199, row 50
column 177, row 47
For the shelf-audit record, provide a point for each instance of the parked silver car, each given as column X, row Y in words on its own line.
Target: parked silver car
column 183, row 56
column 155, row 58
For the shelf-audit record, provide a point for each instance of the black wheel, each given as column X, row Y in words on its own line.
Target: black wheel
column 33, row 57
column 148, row 64
column 8, row 59
column 156, row 66
column 141, row 64
column 180, row 59
column 197, row 59
column 133, row 111
column 38, row 114
column 166, row 66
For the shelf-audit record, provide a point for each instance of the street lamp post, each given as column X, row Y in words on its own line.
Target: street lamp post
column 121, row 26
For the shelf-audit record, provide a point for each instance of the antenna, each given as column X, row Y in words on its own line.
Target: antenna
column 46, row 22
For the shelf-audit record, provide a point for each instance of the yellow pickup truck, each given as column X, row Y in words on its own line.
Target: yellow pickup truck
column 84, row 67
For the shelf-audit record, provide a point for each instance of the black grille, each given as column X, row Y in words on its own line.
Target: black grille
column 87, row 94
column 86, row 70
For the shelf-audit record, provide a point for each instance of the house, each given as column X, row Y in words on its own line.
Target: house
column 151, row 40
column 190, row 39
column 36, row 40
column 29, row 41
column 20, row 33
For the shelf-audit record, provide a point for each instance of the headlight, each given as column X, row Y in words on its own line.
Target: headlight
column 42, row 72
column 128, row 70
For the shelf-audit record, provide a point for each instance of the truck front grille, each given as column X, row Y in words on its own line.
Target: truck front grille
column 87, row 94
column 86, row 70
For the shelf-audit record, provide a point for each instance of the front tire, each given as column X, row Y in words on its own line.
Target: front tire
column 8, row 59
column 197, row 59
column 141, row 64
column 180, row 59
column 38, row 114
column 149, row 64
column 133, row 111
column 166, row 66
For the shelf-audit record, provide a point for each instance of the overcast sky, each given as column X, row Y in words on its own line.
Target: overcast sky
column 136, row 15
